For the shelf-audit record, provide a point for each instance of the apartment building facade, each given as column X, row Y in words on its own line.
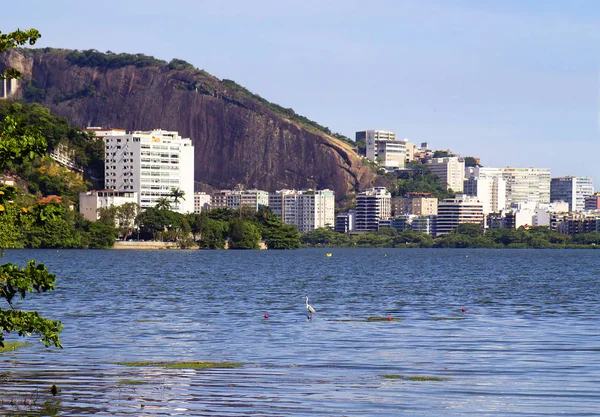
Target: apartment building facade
column 151, row 164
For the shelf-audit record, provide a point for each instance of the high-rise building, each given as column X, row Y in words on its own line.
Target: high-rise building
column 491, row 191
column 371, row 206
column 306, row 209
column 573, row 190
column 450, row 170
column 453, row 212
column 152, row 164
column 520, row 185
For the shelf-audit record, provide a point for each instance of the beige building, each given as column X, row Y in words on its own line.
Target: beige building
column 92, row 201
column 414, row 203
column 450, row 170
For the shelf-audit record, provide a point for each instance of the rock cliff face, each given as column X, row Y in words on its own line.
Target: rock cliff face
column 238, row 139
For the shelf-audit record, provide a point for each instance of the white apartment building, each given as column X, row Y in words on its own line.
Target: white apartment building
column 307, row 209
column 371, row 206
column 490, row 191
column 520, row 184
column 536, row 214
column 152, row 164
column 453, row 212
column 92, row 201
column 382, row 147
column 201, row 202
column 573, row 190
column 391, row 153
column 450, row 170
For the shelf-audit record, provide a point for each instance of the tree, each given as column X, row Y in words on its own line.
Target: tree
column 102, row 236
column 243, row 234
column 470, row 161
column 19, row 141
column 163, row 204
column 176, row 194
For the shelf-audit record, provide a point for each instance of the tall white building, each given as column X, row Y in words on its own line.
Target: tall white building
column 453, row 212
column 371, row 206
column 573, row 190
column 490, row 191
column 152, row 164
column 450, row 170
column 92, row 201
column 520, row 184
column 307, row 210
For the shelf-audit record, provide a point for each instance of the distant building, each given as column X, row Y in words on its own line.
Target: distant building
column 491, row 191
column 371, row 206
column 573, row 190
column 90, row 202
column 102, row 132
column 450, row 170
column 253, row 199
column 453, row 212
column 420, row 204
column 592, row 202
column 424, row 224
column 520, row 185
column 201, row 202
column 383, row 148
column 345, row 222
column 151, row 164
column 218, row 200
column 306, row 209
column 577, row 223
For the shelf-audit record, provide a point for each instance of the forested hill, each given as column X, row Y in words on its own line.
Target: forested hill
column 239, row 137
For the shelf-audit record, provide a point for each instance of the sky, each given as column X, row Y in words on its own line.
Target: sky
column 513, row 82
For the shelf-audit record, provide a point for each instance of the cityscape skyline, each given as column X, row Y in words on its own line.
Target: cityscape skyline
column 513, row 84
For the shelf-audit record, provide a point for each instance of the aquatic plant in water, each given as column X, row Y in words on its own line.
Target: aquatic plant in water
column 418, row 378
column 185, row 365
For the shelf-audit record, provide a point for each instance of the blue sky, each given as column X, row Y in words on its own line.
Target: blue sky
column 515, row 83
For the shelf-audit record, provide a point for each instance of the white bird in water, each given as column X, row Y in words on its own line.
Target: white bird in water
column 309, row 308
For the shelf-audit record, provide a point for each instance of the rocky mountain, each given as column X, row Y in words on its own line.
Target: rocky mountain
column 239, row 137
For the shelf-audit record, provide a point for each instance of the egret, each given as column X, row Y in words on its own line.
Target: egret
column 309, row 308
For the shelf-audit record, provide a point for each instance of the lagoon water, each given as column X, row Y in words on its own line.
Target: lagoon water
column 527, row 345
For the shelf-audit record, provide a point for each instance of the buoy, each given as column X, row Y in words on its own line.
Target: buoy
column 328, row 255
column 390, row 319
column 464, row 310
column 266, row 316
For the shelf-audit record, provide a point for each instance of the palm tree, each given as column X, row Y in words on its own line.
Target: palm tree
column 176, row 194
column 163, row 203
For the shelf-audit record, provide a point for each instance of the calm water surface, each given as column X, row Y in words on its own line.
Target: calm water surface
column 528, row 344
